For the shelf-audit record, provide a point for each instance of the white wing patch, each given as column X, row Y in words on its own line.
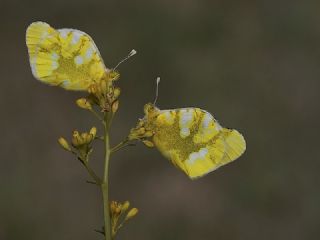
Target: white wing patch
column 76, row 35
column 186, row 119
column 64, row 32
column 78, row 60
column 197, row 156
column 89, row 53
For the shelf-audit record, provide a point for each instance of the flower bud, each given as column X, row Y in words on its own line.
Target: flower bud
column 84, row 103
column 84, row 136
column 125, row 206
column 148, row 134
column 118, row 209
column 148, row 143
column 92, row 89
column 89, row 138
column 131, row 213
column 64, row 144
column 115, row 106
column 76, row 141
column 116, row 93
column 103, row 86
column 141, row 131
column 93, row 132
column 113, row 206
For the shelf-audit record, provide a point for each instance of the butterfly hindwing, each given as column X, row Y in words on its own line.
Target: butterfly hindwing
column 64, row 57
column 194, row 141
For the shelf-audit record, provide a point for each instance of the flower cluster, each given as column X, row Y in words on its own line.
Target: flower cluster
column 141, row 133
column 120, row 213
column 80, row 143
column 102, row 94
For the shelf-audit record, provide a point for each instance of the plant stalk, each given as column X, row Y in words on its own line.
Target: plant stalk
column 105, row 181
column 120, row 145
column 96, row 179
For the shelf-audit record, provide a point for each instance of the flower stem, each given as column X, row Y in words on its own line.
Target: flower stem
column 120, row 145
column 105, row 181
column 96, row 115
column 95, row 177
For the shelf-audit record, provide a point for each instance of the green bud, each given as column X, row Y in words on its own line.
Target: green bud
column 84, row 103
column 93, row 132
column 148, row 143
column 116, row 93
column 76, row 139
column 115, row 106
column 64, row 144
column 133, row 212
column 125, row 206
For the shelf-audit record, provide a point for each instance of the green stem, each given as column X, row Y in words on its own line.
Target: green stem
column 105, row 181
column 92, row 174
column 96, row 115
column 120, row 145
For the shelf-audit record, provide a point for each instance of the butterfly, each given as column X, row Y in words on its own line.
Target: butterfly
column 191, row 139
column 64, row 57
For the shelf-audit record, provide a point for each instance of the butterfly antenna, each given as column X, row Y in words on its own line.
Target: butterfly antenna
column 133, row 52
column 157, row 91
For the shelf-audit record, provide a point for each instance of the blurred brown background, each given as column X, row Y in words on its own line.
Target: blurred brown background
column 254, row 64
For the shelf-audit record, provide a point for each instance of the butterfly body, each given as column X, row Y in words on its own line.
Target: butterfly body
column 65, row 57
column 192, row 139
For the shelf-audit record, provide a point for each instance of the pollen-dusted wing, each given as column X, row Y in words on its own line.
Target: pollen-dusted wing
column 192, row 139
column 65, row 57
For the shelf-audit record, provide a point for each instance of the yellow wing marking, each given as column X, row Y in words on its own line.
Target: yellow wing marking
column 226, row 147
column 65, row 57
column 235, row 145
column 208, row 128
column 36, row 34
column 166, row 118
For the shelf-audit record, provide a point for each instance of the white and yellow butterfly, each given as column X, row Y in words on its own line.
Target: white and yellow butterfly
column 65, row 57
column 191, row 139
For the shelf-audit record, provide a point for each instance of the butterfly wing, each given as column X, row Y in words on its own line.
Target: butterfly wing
column 195, row 142
column 65, row 57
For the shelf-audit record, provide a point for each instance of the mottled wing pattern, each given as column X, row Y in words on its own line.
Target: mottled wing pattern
column 64, row 57
column 195, row 142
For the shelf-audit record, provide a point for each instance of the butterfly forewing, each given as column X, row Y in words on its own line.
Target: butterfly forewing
column 194, row 141
column 65, row 57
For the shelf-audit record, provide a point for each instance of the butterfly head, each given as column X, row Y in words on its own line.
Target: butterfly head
column 150, row 114
column 112, row 74
column 150, row 110
column 145, row 126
